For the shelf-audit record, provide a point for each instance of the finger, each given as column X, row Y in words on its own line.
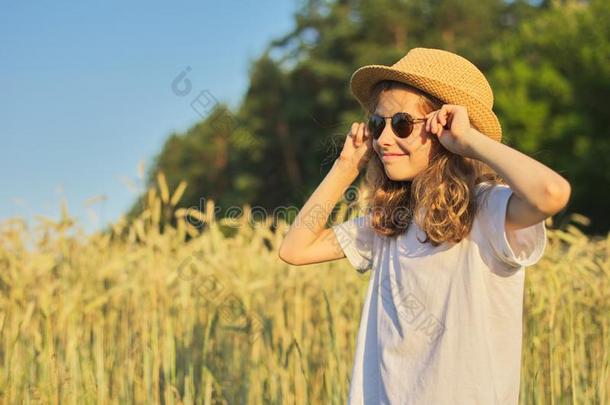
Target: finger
column 440, row 119
column 359, row 134
column 434, row 123
column 353, row 129
column 368, row 137
column 362, row 133
column 443, row 117
column 428, row 122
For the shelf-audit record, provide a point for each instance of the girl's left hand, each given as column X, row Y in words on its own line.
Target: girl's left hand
column 452, row 127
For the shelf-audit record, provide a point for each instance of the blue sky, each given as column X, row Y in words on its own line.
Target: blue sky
column 86, row 92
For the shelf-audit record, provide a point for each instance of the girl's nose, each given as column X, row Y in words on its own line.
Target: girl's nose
column 387, row 136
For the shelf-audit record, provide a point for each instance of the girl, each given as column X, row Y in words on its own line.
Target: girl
column 455, row 216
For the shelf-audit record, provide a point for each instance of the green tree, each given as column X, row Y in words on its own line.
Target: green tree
column 547, row 63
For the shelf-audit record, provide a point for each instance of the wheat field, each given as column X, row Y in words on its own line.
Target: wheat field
column 186, row 314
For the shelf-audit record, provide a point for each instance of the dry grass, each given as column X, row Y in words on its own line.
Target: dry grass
column 141, row 316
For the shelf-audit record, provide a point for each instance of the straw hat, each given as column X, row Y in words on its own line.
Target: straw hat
column 447, row 76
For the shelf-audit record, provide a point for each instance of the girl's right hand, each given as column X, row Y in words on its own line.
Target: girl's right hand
column 358, row 146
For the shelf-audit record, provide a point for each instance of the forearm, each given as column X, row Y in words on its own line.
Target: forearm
column 312, row 218
column 536, row 183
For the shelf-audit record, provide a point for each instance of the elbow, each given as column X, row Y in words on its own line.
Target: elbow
column 557, row 196
column 283, row 257
column 286, row 257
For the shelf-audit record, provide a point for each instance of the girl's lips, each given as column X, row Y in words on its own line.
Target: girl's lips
column 392, row 156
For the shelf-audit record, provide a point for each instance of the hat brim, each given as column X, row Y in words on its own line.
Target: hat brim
column 364, row 79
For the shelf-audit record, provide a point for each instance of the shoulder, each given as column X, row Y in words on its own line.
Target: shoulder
column 515, row 248
column 488, row 194
column 487, row 186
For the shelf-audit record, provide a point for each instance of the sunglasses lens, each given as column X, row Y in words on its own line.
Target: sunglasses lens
column 401, row 124
column 376, row 125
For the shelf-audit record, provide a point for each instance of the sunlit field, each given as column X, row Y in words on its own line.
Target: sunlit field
column 190, row 314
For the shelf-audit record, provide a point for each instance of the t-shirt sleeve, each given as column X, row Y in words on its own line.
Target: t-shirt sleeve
column 516, row 248
column 355, row 236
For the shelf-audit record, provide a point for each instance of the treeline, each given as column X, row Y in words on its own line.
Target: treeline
column 548, row 64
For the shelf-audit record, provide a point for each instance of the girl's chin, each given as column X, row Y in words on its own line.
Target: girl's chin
column 398, row 177
column 400, row 174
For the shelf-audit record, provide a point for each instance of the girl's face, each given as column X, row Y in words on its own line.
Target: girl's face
column 416, row 150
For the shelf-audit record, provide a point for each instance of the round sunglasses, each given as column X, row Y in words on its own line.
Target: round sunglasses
column 402, row 124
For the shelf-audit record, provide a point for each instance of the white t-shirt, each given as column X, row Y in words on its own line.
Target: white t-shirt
column 442, row 325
